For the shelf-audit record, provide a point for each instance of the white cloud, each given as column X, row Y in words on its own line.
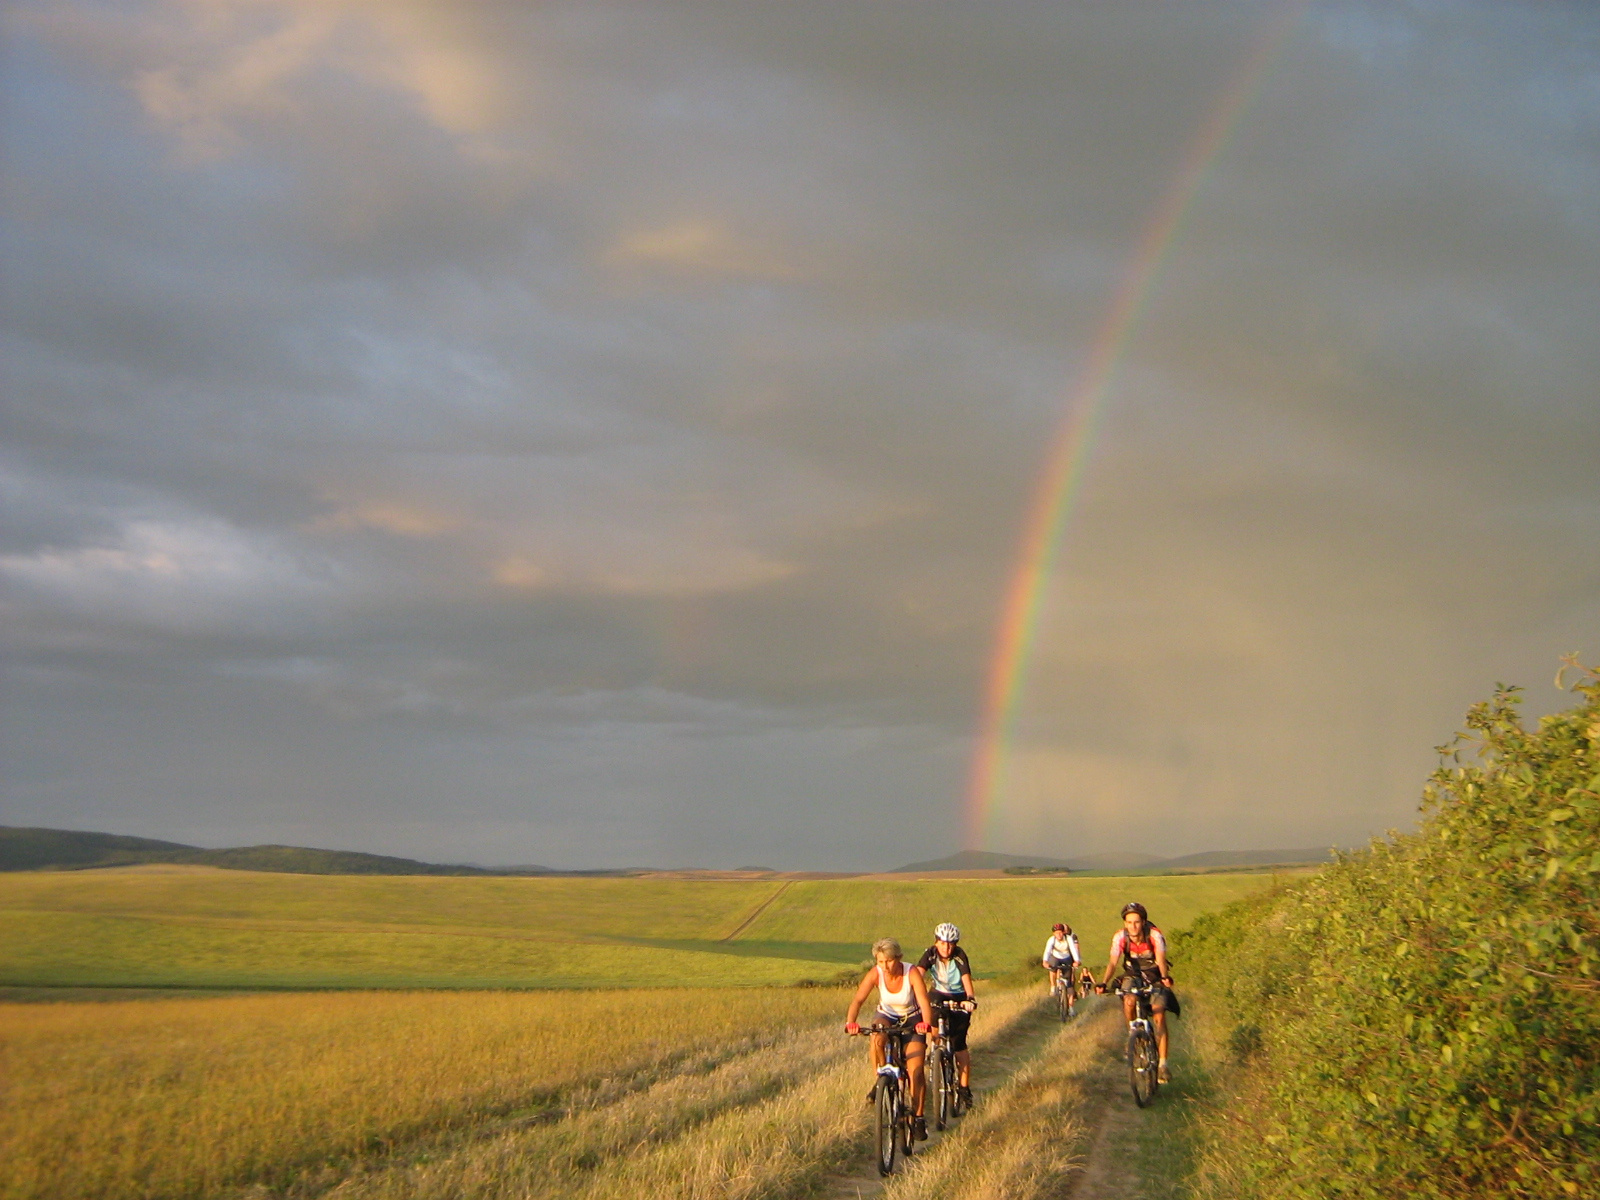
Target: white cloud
column 185, row 574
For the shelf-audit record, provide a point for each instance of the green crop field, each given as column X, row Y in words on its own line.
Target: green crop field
column 206, row 927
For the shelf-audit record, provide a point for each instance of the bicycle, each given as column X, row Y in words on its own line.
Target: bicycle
column 944, row 1088
column 1085, row 985
column 891, row 1098
column 1064, row 993
column 1143, row 1062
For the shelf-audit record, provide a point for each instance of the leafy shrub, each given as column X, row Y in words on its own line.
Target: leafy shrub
column 1424, row 1016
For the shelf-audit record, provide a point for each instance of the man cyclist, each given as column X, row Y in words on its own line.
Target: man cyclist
column 1139, row 956
column 902, row 999
column 1061, row 955
column 949, row 978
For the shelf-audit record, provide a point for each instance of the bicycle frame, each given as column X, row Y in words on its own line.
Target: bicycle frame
column 1143, row 1064
column 944, row 1098
column 895, row 1125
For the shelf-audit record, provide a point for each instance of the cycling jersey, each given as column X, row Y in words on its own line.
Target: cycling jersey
column 945, row 975
column 1139, row 958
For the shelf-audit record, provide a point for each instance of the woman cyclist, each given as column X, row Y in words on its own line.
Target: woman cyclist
column 902, row 998
column 948, row 975
column 1139, row 956
column 1061, row 955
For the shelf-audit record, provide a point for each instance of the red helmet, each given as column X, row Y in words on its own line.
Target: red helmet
column 1058, row 925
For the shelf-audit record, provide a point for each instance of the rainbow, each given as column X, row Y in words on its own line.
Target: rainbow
column 1061, row 483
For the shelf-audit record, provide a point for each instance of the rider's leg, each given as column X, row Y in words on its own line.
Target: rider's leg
column 1161, row 1034
column 964, row 1067
column 878, row 1058
column 1130, row 1007
column 918, row 1075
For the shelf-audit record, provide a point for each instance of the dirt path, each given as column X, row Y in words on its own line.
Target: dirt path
column 992, row 1068
column 758, row 910
column 1133, row 1152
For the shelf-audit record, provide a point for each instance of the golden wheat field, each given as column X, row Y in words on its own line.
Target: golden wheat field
column 192, row 1097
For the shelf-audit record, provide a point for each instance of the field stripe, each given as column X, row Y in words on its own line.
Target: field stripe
column 758, row 910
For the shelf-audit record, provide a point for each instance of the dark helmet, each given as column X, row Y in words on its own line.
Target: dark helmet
column 1135, row 907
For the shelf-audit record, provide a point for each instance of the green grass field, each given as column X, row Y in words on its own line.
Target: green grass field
column 209, row 928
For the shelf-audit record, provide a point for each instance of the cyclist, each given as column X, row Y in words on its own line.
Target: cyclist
column 948, row 975
column 1061, row 954
column 902, row 998
column 1139, row 956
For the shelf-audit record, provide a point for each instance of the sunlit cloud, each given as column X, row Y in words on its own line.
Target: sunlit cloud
column 400, row 518
column 221, row 70
column 701, row 247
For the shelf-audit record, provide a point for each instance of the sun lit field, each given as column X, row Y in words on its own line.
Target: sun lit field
column 448, row 1093
column 183, row 1097
column 202, row 927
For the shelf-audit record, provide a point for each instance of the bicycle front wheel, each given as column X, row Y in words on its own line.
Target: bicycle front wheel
column 1142, row 1067
column 1064, row 999
column 939, row 1086
column 887, row 1104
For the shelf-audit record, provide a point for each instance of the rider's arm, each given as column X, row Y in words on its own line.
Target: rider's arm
column 1161, row 957
column 919, row 989
column 868, row 981
column 966, row 982
column 1113, row 963
column 1048, row 942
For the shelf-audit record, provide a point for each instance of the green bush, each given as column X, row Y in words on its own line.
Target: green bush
column 1423, row 1017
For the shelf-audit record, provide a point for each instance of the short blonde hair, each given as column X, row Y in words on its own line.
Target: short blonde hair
column 886, row 946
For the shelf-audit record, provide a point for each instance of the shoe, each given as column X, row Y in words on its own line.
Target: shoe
column 919, row 1129
column 872, row 1094
column 1162, row 1076
column 966, row 1096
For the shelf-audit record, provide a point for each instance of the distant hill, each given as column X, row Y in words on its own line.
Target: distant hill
column 32, row 849
column 1251, row 858
column 985, row 860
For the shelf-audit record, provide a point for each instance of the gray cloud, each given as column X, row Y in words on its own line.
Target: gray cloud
column 597, row 434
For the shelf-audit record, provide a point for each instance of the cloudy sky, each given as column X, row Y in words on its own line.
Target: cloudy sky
column 593, row 434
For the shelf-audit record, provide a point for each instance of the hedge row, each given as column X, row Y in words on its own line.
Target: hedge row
column 1422, row 1018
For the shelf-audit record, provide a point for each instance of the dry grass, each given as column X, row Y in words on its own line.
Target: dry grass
column 768, row 1124
column 1030, row 1137
column 191, row 1097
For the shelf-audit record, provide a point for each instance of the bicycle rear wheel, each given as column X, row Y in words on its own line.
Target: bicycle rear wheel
column 887, row 1104
column 1142, row 1067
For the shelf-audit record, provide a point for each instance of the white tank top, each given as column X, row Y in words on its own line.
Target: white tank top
column 897, row 1004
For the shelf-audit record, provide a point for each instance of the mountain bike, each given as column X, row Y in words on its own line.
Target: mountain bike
column 944, row 1076
column 1084, row 986
column 891, row 1097
column 1143, row 1061
column 1064, row 993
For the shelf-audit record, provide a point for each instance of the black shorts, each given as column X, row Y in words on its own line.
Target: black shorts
column 1158, row 998
column 956, row 1020
column 906, row 1029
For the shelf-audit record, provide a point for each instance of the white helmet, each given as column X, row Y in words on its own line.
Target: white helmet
column 946, row 933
